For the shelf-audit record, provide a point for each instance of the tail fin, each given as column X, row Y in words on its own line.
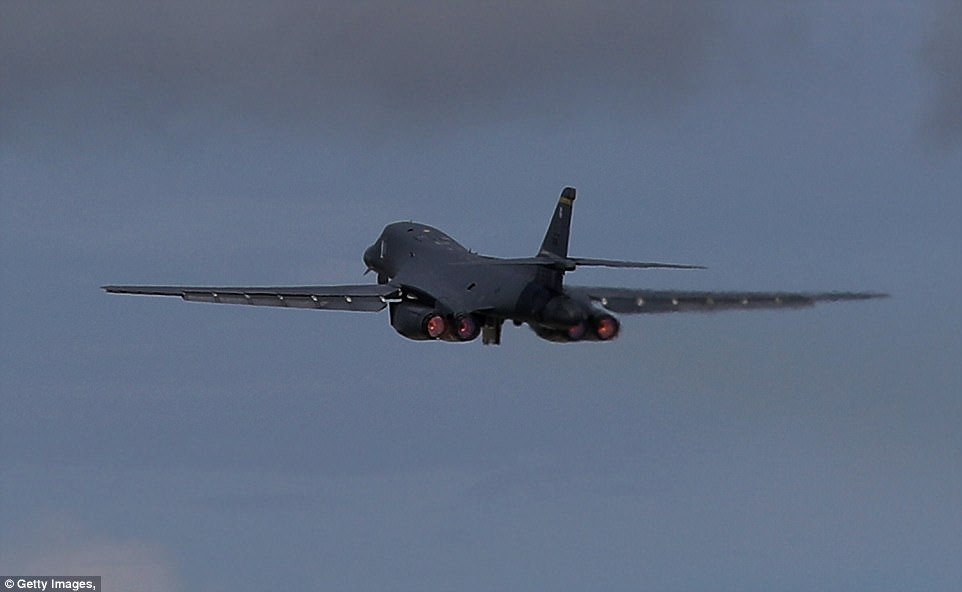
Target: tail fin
column 556, row 239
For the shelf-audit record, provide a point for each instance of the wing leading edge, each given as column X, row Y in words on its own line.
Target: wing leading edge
column 365, row 298
column 628, row 301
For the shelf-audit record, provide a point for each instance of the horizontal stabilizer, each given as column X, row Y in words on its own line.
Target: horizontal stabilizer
column 581, row 261
column 571, row 263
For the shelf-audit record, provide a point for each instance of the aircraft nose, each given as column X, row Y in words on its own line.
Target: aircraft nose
column 371, row 256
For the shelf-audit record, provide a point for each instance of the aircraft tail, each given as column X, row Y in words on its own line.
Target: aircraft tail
column 553, row 260
column 556, row 238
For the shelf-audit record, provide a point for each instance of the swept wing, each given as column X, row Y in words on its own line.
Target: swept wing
column 630, row 301
column 366, row 297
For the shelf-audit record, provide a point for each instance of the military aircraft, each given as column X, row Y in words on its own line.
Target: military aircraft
column 438, row 290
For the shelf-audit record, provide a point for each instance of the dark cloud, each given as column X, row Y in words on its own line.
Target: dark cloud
column 425, row 59
column 942, row 55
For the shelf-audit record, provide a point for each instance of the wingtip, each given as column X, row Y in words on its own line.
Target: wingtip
column 872, row 295
column 678, row 266
column 841, row 296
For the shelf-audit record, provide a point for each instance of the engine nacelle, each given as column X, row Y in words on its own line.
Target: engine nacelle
column 604, row 327
column 562, row 312
column 421, row 322
column 549, row 334
column 465, row 328
column 599, row 327
column 417, row 321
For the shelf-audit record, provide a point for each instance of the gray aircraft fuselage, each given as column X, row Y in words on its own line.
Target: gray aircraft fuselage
column 414, row 254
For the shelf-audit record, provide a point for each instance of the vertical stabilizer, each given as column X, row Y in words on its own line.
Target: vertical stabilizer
column 556, row 239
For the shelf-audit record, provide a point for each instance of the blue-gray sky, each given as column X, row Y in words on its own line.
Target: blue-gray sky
column 175, row 446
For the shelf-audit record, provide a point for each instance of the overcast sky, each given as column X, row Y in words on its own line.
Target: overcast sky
column 175, row 446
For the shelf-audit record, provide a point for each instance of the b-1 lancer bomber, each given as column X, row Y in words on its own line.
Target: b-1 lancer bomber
column 436, row 289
